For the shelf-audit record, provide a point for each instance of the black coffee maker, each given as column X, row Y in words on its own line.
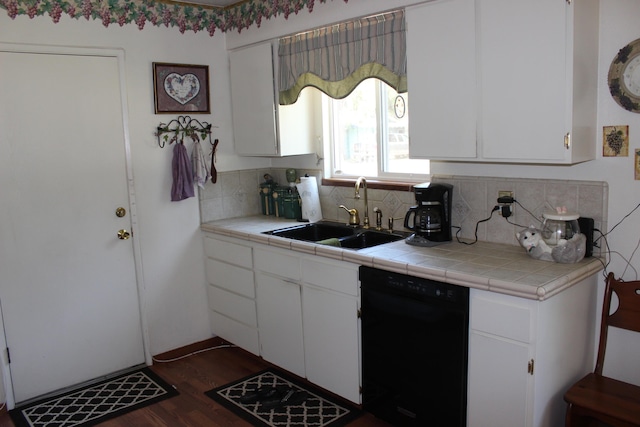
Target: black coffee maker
column 430, row 219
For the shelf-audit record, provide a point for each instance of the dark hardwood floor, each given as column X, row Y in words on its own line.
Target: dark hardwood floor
column 192, row 376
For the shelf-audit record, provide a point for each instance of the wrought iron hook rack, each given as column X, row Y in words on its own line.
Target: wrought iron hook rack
column 181, row 127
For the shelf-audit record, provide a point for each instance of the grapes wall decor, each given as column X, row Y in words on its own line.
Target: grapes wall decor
column 615, row 141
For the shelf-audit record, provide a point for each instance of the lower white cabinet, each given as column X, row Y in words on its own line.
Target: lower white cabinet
column 231, row 291
column 308, row 318
column 523, row 355
column 300, row 312
column 330, row 304
column 497, row 379
column 280, row 321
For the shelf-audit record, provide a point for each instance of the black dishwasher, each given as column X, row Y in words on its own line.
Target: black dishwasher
column 414, row 349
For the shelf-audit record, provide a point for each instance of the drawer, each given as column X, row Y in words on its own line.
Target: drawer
column 279, row 263
column 229, row 252
column 333, row 275
column 233, row 306
column 230, row 277
column 235, row 332
column 501, row 318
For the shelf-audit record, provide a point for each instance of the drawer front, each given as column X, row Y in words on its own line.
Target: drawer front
column 233, row 306
column 235, row 332
column 336, row 276
column 230, row 277
column 229, row 252
column 501, row 318
column 279, row 263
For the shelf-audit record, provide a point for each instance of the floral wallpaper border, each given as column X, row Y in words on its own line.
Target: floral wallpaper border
column 184, row 16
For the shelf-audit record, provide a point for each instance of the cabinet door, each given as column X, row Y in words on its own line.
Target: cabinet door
column 280, row 322
column 524, row 65
column 441, row 72
column 297, row 124
column 252, row 100
column 331, row 341
column 498, row 394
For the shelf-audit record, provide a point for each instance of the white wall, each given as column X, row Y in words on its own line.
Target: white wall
column 171, row 244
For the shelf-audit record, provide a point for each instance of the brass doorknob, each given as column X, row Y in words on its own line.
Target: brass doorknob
column 123, row 234
column 120, row 212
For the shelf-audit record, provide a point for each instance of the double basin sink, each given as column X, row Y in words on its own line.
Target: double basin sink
column 338, row 234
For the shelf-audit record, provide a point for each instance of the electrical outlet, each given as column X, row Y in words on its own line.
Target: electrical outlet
column 504, row 193
column 506, row 209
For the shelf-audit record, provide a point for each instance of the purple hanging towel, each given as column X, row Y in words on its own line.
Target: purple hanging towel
column 182, row 187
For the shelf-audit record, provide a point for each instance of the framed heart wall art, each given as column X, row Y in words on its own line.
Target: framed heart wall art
column 181, row 88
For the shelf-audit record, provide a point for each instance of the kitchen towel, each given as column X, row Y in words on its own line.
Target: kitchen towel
column 182, row 187
column 199, row 164
column 330, row 242
column 308, row 190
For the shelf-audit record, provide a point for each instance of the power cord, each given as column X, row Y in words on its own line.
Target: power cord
column 619, row 222
column 506, row 211
column 495, row 208
column 192, row 354
column 608, row 250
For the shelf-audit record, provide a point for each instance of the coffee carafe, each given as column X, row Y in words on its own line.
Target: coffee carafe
column 430, row 218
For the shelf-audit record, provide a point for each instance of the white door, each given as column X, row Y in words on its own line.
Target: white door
column 67, row 282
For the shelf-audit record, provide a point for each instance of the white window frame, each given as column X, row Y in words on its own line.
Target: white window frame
column 329, row 148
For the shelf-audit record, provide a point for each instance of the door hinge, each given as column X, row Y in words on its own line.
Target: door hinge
column 8, row 356
column 530, row 367
column 359, row 313
column 567, row 140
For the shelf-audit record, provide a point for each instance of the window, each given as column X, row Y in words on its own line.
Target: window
column 368, row 134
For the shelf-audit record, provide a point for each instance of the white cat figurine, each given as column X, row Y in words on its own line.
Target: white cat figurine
column 566, row 252
column 531, row 239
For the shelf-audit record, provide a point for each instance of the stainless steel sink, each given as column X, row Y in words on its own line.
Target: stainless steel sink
column 347, row 236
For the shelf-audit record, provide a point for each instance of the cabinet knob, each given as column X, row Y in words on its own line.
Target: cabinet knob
column 123, row 234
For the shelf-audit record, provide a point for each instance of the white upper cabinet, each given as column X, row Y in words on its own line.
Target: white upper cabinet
column 252, row 101
column 538, row 65
column 441, row 73
column 260, row 126
column 522, row 74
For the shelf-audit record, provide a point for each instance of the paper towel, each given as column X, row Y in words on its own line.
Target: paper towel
column 308, row 190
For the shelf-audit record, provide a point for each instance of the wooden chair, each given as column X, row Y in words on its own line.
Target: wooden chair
column 596, row 397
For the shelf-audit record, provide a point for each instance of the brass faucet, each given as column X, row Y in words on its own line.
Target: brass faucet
column 378, row 218
column 363, row 181
column 354, row 218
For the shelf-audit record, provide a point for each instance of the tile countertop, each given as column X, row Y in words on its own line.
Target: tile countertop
column 494, row 267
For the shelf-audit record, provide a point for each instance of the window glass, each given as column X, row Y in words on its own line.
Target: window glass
column 369, row 134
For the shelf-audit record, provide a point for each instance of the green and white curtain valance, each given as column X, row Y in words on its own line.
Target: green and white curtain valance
column 337, row 58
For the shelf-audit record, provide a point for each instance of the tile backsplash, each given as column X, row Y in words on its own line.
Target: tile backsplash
column 236, row 194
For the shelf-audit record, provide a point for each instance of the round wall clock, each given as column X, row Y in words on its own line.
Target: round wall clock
column 399, row 106
column 624, row 77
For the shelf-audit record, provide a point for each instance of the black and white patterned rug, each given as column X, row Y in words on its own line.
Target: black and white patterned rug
column 95, row 403
column 318, row 408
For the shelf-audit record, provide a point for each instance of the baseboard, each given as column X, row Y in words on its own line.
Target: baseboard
column 188, row 349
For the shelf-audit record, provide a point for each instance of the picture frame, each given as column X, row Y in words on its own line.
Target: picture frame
column 615, row 141
column 181, row 88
